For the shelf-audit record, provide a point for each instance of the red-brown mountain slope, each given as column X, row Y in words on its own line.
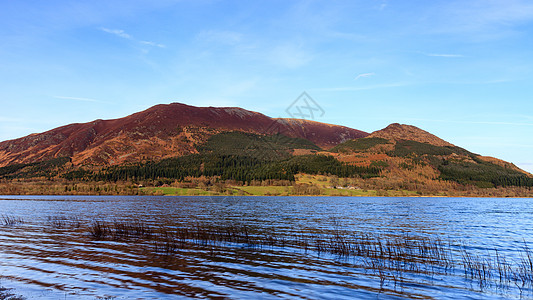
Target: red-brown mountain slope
column 158, row 132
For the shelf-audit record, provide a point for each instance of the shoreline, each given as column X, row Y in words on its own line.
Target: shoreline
column 278, row 196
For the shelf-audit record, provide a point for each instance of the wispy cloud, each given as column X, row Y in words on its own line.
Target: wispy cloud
column 473, row 122
column 78, row 99
column 122, row 34
column 7, row 119
column 383, row 5
column 480, row 19
column 290, row 55
column 152, row 44
column 503, row 146
column 498, row 12
column 362, row 88
column 287, row 54
column 444, row 55
column 117, row 32
column 364, row 75
column 220, row 37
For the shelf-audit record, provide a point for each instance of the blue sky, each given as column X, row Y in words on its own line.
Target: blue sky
column 462, row 70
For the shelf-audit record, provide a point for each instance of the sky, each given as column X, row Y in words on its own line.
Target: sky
column 460, row 69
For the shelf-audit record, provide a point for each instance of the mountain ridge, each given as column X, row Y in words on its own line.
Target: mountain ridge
column 163, row 130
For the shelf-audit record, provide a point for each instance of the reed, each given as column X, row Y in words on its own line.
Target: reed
column 497, row 270
column 99, row 230
column 6, row 294
column 524, row 272
column 61, row 221
column 133, row 229
column 8, row 220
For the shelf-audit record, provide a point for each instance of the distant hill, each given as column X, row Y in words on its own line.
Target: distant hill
column 417, row 154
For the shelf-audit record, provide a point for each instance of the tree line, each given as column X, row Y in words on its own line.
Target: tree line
column 228, row 167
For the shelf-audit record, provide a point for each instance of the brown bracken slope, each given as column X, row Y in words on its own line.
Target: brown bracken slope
column 161, row 131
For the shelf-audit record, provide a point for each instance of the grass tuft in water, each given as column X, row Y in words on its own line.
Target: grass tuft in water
column 99, row 230
column 8, row 220
column 61, row 221
column 6, row 294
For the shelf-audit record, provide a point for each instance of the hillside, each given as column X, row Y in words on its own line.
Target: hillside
column 159, row 132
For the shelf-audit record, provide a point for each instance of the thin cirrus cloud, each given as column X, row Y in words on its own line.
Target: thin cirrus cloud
column 152, row 44
column 10, row 120
column 362, row 88
column 117, row 32
column 444, row 55
column 122, row 34
column 220, row 37
column 489, row 15
column 290, row 56
column 474, row 122
column 78, row 99
column 364, row 75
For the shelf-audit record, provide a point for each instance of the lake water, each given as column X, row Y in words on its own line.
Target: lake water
column 51, row 254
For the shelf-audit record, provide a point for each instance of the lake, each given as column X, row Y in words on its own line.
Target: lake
column 124, row 247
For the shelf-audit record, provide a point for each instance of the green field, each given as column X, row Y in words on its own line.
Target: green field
column 269, row 191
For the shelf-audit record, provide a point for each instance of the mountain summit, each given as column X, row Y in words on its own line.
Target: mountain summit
column 397, row 132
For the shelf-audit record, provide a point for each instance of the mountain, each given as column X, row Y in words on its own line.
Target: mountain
column 414, row 155
column 159, row 132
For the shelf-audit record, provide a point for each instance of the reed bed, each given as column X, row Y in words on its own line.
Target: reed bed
column 389, row 258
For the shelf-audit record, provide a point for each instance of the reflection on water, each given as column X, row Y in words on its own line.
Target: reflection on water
column 51, row 254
